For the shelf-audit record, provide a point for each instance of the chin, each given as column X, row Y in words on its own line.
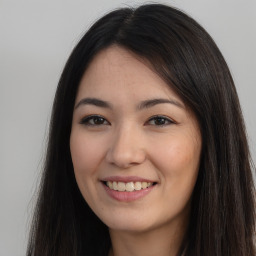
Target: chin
column 130, row 227
column 129, row 223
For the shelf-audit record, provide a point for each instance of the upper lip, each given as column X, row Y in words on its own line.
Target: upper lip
column 127, row 179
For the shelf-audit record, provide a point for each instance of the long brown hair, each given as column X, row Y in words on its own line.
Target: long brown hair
column 185, row 56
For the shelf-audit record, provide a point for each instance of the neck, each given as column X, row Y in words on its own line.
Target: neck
column 161, row 241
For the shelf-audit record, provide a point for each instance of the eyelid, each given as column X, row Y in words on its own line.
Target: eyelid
column 170, row 120
column 85, row 120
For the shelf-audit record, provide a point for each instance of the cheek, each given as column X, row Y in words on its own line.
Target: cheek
column 178, row 161
column 178, row 165
column 86, row 157
column 85, row 153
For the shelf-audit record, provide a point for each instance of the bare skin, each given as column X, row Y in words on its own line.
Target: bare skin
column 129, row 127
column 160, row 242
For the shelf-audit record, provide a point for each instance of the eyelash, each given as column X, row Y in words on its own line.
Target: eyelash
column 162, row 118
column 86, row 120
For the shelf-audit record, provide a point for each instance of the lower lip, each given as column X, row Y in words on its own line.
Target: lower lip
column 125, row 196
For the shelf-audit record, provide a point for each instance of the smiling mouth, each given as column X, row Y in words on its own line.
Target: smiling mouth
column 128, row 186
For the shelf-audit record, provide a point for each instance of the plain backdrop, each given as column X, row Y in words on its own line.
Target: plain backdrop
column 36, row 37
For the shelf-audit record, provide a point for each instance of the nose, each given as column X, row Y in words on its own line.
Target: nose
column 126, row 148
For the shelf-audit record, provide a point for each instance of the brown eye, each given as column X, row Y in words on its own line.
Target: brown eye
column 160, row 121
column 94, row 121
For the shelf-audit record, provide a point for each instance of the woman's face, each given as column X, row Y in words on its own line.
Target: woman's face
column 135, row 146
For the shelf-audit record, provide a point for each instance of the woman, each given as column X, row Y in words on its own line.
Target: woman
column 147, row 151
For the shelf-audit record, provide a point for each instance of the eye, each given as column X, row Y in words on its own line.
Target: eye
column 160, row 121
column 94, row 120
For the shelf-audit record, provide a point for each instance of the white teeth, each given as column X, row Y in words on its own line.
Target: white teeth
column 144, row 184
column 115, row 185
column 129, row 186
column 110, row 184
column 137, row 185
column 121, row 186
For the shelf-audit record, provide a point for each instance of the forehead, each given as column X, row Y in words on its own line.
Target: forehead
column 116, row 71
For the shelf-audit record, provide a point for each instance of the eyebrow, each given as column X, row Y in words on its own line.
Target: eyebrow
column 143, row 105
column 95, row 102
column 152, row 102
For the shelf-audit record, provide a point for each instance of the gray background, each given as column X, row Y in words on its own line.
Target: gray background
column 36, row 37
